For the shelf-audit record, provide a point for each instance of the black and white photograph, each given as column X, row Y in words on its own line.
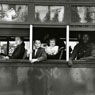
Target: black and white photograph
column 47, row 47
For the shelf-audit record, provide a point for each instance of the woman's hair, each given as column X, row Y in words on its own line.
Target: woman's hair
column 53, row 39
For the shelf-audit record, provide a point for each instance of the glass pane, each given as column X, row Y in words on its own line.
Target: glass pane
column 41, row 13
column 57, row 14
column 13, row 13
column 83, row 14
column 49, row 14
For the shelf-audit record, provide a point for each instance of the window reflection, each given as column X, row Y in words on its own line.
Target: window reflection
column 83, row 14
column 49, row 14
column 13, row 13
column 41, row 13
column 57, row 13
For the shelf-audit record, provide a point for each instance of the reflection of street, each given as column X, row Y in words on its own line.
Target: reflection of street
column 74, row 81
column 47, row 81
column 85, row 77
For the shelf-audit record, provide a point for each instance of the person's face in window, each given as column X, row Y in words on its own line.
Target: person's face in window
column 37, row 44
column 18, row 40
column 85, row 38
column 52, row 43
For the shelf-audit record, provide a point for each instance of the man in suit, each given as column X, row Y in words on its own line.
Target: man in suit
column 36, row 78
column 39, row 53
column 19, row 51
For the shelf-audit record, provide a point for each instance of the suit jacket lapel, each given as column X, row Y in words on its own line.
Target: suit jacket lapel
column 38, row 52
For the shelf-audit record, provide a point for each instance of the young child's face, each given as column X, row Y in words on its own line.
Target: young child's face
column 37, row 44
column 52, row 42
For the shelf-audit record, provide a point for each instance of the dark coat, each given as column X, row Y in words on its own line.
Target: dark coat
column 18, row 52
column 40, row 55
column 81, row 50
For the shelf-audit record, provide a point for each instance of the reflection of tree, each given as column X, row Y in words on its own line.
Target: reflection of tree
column 47, row 17
column 55, row 18
column 37, row 16
column 1, row 12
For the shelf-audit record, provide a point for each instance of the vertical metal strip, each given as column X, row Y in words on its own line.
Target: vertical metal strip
column 31, row 41
column 67, row 43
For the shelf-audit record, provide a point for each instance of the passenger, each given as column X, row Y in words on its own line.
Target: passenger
column 82, row 49
column 36, row 77
column 52, row 49
column 39, row 53
column 19, row 50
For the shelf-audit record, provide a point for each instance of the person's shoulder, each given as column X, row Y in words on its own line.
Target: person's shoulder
column 21, row 45
column 41, row 48
column 78, row 44
column 56, row 46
